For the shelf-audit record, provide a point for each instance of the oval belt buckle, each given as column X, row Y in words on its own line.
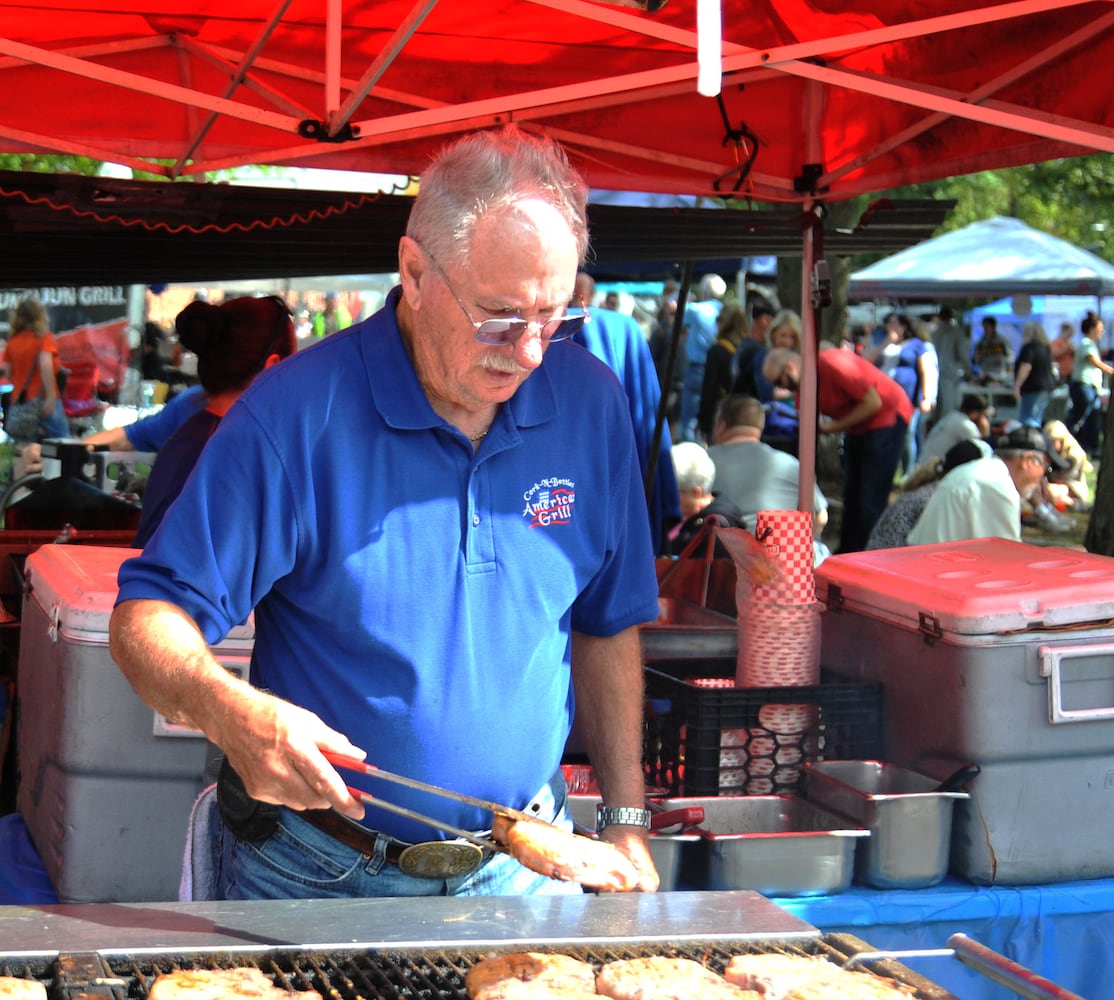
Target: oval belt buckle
column 440, row 859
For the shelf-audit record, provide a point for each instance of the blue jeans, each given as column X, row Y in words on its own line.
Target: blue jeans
column 1031, row 407
column 1084, row 417
column 300, row 861
column 691, row 389
column 869, row 463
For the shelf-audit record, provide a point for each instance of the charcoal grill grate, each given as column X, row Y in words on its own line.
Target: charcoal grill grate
column 408, row 974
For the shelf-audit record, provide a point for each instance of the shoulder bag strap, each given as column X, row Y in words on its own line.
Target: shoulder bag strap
column 30, row 372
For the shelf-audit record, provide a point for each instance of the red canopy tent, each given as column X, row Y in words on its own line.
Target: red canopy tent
column 827, row 102
column 816, row 102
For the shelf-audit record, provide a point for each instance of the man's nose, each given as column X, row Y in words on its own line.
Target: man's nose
column 528, row 349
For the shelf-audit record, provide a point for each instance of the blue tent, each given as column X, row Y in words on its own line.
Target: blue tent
column 1049, row 310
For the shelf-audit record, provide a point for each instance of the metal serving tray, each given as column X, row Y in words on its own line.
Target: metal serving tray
column 910, row 821
column 779, row 845
column 687, row 630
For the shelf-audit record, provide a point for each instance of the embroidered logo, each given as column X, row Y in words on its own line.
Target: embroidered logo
column 550, row 502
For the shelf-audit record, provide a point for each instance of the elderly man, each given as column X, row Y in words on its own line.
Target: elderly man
column 872, row 412
column 982, row 499
column 438, row 520
column 750, row 473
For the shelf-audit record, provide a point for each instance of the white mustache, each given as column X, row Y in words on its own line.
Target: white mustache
column 502, row 363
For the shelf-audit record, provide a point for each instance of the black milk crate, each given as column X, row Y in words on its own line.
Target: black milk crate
column 703, row 736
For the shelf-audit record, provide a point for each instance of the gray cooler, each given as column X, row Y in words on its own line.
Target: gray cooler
column 106, row 783
column 1001, row 654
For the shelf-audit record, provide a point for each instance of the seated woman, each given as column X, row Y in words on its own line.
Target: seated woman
column 233, row 342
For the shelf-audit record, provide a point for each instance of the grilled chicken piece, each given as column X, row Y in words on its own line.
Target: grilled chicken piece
column 659, row 977
column 22, row 989
column 796, row 977
column 549, row 850
column 531, row 974
column 215, row 984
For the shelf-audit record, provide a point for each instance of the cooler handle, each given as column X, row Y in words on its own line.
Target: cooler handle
column 1051, row 667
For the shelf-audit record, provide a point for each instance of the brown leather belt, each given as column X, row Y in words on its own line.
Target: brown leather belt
column 436, row 859
column 351, row 834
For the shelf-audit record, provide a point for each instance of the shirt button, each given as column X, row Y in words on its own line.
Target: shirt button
column 475, row 520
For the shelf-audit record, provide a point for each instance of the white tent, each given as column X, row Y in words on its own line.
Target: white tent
column 988, row 259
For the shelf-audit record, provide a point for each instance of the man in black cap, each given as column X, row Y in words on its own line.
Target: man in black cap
column 982, row 499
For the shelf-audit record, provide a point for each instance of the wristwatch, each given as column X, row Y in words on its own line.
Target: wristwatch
column 621, row 816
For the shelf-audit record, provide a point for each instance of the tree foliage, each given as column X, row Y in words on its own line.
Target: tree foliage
column 1072, row 199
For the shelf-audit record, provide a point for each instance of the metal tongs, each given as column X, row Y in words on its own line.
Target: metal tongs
column 359, row 766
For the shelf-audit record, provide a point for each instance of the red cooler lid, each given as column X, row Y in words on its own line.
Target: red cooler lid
column 979, row 587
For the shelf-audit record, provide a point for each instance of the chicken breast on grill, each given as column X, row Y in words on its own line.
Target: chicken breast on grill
column 659, row 977
column 22, row 989
column 799, row 977
column 530, row 974
column 215, row 984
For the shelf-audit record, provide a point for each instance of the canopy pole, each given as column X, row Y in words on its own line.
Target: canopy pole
column 807, row 413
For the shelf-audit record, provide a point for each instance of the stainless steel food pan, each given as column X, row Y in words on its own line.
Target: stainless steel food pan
column 779, row 845
column 909, row 819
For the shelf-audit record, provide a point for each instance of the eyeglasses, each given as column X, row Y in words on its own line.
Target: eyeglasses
column 501, row 332
column 1046, row 466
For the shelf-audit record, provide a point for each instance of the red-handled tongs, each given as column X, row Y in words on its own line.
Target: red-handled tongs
column 359, row 766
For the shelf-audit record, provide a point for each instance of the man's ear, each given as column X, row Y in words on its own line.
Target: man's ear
column 413, row 267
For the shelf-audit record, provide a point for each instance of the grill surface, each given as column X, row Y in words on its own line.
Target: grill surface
column 406, row 974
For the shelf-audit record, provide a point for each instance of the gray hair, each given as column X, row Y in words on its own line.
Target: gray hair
column 488, row 172
column 693, row 466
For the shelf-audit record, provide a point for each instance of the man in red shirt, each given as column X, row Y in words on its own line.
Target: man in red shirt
column 872, row 412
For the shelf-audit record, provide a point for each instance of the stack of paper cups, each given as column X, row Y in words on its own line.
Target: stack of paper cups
column 779, row 646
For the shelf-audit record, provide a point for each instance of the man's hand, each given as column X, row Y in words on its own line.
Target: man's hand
column 635, row 844
column 277, row 750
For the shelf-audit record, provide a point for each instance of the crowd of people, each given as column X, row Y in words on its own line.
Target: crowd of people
column 892, row 396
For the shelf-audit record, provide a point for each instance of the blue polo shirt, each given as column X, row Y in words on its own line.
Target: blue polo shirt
column 151, row 433
column 417, row 596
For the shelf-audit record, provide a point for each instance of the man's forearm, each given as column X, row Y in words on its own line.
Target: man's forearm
column 607, row 679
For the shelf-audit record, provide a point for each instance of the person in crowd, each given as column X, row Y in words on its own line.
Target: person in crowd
column 1033, row 378
column 437, row 519
column 892, row 529
column 982, row 499
column 992, row 357
column 719, row 368
column 1084, row 416
column 31, row 357
column 872, row 412
column 1072, row 481
column 752, row 475
column 150, row 433
column 752, row 351
column 152, row 366
column 1062, row 349
column 660, row 338
column 971, row 422
column 611, row 301
column 784, row 332
column 915, row 369
column 332, row 318
column 700, row 333
column 234, row 342
column 696, row 472
column 616, row 339
column 953, row 351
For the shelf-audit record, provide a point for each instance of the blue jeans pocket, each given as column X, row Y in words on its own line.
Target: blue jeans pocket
column 285, row 866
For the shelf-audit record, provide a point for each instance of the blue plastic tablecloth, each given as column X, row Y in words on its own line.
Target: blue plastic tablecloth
column 1064, row 932
column 23, row 880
